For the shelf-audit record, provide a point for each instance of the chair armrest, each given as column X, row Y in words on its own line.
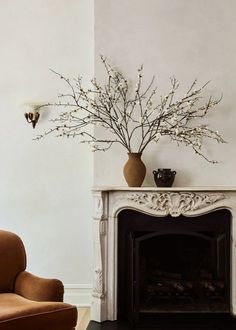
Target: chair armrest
column 37, row 288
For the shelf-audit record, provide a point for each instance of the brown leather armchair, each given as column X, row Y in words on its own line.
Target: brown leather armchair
column 28, row 302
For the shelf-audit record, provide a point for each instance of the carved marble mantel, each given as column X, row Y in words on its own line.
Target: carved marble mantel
column 159, row 202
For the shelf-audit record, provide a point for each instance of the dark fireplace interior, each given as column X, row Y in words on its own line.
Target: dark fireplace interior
column 172, row 265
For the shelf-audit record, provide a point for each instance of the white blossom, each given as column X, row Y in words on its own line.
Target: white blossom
column 129, row 112
column 119, row 121
column 173, row 118
column 141, row 120
column 177, row 131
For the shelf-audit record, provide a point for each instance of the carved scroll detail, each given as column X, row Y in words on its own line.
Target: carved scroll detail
column 98, row 290
column 175, row 203
column 103, row 227
column 98, row 207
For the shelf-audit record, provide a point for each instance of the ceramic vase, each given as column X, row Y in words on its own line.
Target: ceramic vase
column 134, row 170
column 164, row 177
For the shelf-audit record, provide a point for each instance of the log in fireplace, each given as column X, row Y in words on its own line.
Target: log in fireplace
column 173, row 265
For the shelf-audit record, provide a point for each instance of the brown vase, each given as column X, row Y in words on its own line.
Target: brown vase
column 134, row 170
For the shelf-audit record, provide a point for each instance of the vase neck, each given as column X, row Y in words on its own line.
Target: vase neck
column 135, row 154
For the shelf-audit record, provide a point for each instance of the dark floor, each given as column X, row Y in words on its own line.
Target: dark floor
column 109, row 326
column 173, row 322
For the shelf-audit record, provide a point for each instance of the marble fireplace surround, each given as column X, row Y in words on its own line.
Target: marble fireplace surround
column 159, row 202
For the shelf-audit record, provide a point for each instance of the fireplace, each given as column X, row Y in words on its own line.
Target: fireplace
column 163, row 251
column 173, row 265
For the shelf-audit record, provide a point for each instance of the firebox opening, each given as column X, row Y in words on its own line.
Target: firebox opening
column 173, row 265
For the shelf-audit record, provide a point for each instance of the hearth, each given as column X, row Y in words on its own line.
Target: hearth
column 173, row 265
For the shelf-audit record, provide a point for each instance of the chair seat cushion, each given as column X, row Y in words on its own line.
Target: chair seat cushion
column 20, row 313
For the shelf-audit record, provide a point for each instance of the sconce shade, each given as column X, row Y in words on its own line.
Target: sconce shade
column 32, row 118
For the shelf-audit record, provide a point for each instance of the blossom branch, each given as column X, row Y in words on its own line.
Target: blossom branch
column 132, row 114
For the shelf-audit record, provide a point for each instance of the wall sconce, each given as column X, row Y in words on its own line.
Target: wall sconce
column 32, row 112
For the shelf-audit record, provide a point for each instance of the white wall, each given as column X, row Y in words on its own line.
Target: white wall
column 186, row 38
column 45, row 186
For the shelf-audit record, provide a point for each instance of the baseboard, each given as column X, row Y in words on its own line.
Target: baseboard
column 78, row 294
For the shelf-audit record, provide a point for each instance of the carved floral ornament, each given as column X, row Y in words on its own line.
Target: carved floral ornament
column 177, row 203
column 98, row 290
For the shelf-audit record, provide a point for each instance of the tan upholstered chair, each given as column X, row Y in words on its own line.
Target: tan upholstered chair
column 28, row 302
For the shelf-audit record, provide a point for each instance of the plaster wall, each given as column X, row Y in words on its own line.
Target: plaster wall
column 45, row 185
column 186, row 38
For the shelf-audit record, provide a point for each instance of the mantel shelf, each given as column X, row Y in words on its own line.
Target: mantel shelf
column 203, row 188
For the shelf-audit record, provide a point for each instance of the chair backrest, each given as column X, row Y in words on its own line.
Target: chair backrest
column 12, row 259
